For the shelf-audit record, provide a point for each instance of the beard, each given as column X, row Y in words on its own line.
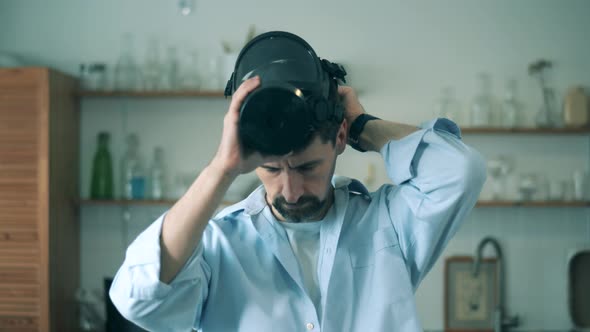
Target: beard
column 306, row 208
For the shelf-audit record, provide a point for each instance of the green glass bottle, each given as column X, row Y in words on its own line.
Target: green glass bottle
column 101, row 186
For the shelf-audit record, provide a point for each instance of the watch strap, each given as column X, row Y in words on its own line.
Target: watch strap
column 356, row 128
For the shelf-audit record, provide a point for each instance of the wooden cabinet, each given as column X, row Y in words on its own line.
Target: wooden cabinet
column 39, row 229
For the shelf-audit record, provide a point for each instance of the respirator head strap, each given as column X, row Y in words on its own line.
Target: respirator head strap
column 229, row 86
column 335, row 70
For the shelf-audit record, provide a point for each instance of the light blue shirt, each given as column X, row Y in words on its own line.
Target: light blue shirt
column 372, row 255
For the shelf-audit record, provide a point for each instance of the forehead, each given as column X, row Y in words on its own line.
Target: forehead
column 316, row 150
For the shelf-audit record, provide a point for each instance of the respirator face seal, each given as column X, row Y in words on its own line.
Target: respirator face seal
column 298, row 92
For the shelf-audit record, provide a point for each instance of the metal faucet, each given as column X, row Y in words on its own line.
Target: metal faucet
column 500, row 320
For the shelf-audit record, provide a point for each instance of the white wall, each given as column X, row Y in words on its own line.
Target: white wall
column 399, row 55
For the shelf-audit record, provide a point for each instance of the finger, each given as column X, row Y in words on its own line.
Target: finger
column 243, row 90
column 344, row 90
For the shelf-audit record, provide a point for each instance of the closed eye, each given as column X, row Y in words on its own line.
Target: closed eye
column 271, row 169
column 306, row 168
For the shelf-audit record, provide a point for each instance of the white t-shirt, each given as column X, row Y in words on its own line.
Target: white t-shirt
column 304, row 238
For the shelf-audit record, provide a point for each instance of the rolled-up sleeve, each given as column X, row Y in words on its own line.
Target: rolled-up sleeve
column 439, row 179
column 142, row 298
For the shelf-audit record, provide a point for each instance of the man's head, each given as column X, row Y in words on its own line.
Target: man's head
column 295, row 111
column 298, row 186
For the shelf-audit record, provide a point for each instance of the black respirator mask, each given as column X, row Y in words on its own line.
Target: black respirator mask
column 298, row 92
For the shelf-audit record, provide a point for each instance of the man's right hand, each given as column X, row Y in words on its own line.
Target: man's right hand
column 230, row 158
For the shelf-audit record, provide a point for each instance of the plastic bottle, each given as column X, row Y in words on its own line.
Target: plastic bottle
column 133, row 177
column 101, row 186
column 157, row 183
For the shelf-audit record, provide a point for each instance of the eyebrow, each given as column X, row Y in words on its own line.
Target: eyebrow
column 306, row 164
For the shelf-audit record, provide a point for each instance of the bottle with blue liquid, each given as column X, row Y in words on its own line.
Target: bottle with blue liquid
column 132, row 174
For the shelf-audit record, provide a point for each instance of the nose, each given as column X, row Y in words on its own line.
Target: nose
column 292, row 187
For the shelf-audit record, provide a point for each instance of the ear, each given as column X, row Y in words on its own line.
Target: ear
column 342, row 137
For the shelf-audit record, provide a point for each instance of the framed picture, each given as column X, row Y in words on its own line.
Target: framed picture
column 470, row 301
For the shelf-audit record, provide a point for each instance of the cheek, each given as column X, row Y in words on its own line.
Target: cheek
column 271, row 184
column 318, row 185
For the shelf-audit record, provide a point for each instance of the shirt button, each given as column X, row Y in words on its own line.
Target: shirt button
column 309, row 326
column 328, row 250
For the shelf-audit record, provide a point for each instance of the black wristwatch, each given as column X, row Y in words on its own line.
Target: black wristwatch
column 356, row 128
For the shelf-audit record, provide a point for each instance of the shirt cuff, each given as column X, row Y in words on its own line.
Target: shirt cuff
column 399, row 155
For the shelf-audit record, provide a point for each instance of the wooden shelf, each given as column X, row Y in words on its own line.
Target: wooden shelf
column 152, row 94
column 557, row 131
column 533, row 203
column 144, row 202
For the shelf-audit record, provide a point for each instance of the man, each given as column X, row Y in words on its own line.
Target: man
column 305, row 251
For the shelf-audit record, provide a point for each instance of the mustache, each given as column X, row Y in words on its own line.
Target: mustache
column 306, row 207
column 280, row 200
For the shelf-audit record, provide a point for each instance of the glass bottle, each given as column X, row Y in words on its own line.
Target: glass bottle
column 133, row 177
column 170, row 72
column 481, row 108
column 510, row 106
column 126, row 70
column 191, row 78
column 447, row 105
column 546, row 116
column 101, row 186
column 152, row 68
column 157, row 175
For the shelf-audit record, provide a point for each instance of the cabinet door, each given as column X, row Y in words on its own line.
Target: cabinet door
column 22, row 177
